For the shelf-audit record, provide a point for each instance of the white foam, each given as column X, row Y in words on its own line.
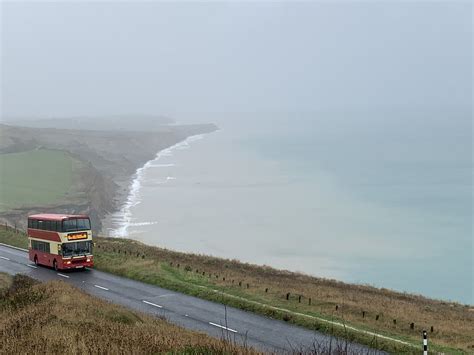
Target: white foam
column 162, row 165
column 139, row 224
column 124, row 217
column 195, row 138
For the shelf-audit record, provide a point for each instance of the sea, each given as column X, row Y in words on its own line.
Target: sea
column 382, row 198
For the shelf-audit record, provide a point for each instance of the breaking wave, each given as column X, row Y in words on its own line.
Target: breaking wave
column 123, row 219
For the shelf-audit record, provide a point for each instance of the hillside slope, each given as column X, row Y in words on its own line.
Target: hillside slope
column 312, row 302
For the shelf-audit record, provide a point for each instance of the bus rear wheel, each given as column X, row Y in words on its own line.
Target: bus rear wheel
column 55, row 265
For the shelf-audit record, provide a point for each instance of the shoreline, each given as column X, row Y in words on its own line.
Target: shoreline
column 128, row 194
column 106, row 168
column 148, row 235
column 113, row 182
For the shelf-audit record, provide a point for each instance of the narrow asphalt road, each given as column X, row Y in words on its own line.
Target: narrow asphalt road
column 215, row 319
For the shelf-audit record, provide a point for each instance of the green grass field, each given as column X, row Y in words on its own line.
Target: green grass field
column 37, row 177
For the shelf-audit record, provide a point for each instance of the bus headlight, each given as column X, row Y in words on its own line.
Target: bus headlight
column 88, row 260
column 68, row 262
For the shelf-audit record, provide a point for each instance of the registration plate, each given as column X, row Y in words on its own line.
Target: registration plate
column 79, row 267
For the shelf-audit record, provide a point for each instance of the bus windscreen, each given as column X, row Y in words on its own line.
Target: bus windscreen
column 76, row 248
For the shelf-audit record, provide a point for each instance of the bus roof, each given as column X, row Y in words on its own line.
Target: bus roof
column 57, row 217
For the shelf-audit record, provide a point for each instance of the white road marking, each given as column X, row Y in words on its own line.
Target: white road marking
column 62, row 275
column 4, row 258
column 101, row 287
column 152, row 304
column 33, row 266
column 186, row 315
column 221, row 326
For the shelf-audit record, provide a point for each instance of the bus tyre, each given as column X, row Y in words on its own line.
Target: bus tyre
column 55, row 265
column 36, row 260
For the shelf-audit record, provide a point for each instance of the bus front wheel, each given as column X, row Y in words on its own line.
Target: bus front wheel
column 55, row 265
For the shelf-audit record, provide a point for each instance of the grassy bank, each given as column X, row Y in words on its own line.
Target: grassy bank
column 56, row 318
column 11, row 237
column 351, row 311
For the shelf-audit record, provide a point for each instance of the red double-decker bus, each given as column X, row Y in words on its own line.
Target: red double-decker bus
column 60, row 241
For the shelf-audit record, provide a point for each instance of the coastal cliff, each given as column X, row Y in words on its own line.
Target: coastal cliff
column 104, row 163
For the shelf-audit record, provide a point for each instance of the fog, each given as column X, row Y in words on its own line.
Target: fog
column 184, row 59
column 345, row 141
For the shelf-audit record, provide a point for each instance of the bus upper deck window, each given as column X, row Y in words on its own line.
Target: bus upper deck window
column 82, row 224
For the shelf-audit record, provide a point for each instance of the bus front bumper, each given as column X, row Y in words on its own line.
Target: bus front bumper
column 76, row 263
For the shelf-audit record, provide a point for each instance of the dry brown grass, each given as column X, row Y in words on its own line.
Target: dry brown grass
column 453, row 323
column 5, row 282
column 56, row 318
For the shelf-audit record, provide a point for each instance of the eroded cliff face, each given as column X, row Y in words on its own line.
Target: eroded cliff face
column 107, row 162
column 99, row 195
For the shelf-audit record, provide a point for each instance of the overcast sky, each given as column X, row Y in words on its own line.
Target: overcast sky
column 181, row 57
